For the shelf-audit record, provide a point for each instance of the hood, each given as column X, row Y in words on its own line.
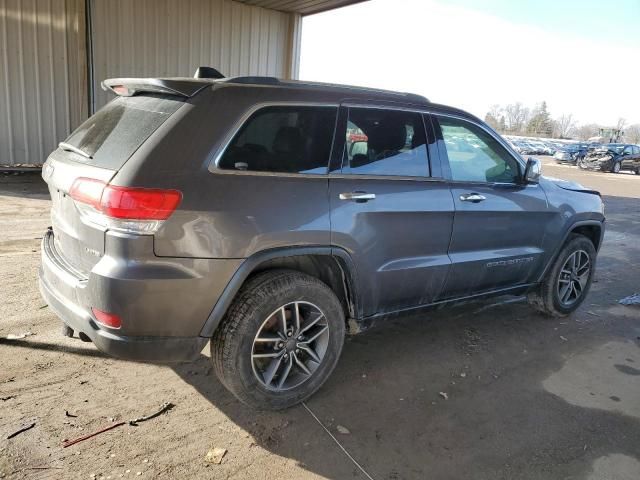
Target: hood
column 609, row 149
column 597, row 153
column 570, row 185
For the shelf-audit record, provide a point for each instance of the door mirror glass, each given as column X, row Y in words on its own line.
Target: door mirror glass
column 533, row 171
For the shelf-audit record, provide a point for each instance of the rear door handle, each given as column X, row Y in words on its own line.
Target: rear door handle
column 359, row 197
column 472, row 197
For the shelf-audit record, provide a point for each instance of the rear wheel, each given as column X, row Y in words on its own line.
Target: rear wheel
column 569, row 279
column 280, row 340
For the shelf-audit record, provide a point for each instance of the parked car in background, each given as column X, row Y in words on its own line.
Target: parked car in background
column 550, row 148
column 540, row 148
column 261, row 230
column 612, row 157
column 571, row 153
column 526, row 148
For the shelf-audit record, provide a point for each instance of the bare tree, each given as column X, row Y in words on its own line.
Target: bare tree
column 496, row 111
column 565, row 125
column 632, row 133
column 587, row 131
column 493, row 117
column 516, row 117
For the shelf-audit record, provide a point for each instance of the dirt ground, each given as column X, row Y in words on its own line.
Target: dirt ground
column 527, row 397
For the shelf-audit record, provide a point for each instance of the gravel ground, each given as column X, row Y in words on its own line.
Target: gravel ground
column 526, row 397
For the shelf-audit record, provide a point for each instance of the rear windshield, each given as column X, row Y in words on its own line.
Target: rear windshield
column 118, row 129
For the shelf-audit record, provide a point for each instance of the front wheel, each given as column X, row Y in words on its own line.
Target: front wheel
column 280, row 340
column 616, row 167
column 569, row 279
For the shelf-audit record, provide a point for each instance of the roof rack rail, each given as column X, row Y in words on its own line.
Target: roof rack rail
column 260, row 80
column 257, row 80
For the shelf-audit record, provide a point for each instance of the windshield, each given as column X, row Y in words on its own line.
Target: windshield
column 108, row 138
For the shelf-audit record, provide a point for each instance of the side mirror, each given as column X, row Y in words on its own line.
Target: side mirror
column 533, row 170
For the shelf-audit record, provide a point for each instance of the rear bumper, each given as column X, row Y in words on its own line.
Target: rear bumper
column 143, row 349
column 71, row 297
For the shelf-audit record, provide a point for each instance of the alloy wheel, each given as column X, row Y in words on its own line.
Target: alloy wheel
column 573, row 277
column 290, row 345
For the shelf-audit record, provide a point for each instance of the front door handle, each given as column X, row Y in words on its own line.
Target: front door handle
column 472, row 197
column 359, row 197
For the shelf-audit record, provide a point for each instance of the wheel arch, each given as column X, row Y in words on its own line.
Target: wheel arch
column 591, row 229
column 331, row 265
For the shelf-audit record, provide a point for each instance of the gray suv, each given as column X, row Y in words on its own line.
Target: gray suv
column 266, row 216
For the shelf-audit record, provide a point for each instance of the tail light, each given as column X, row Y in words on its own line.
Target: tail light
column 128, row 209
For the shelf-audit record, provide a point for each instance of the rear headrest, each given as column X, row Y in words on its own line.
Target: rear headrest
column 388, row 135
column 288, row 140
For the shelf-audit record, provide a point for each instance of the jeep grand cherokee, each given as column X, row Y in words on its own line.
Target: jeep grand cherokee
column 263, row 216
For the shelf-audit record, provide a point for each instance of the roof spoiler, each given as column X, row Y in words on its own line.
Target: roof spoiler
column 128, row 87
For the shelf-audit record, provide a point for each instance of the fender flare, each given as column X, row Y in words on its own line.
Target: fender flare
column 251, row 263
column 572, row 227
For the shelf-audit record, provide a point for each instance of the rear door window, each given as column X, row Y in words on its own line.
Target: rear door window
column 284, row 140
column 119, row 128
column 385, row 142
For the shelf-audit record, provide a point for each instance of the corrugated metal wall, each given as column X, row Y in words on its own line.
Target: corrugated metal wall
column 43, row 86
column 44, row 75
column 174, row 37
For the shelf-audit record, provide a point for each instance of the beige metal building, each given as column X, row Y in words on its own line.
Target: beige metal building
column 55, row 53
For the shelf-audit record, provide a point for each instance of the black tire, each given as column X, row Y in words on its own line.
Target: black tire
column 615, row 168
column 232, row 343
column 546, row 297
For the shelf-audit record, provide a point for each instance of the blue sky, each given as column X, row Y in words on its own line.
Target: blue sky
column 581, row 57
column 612, row 21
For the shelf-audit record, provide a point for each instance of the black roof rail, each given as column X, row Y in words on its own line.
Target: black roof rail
column 256, row 80
column 259, row 80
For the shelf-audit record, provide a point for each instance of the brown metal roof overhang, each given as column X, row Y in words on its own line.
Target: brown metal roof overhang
column 303, row 7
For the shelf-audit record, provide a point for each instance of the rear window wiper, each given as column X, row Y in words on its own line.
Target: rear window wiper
column 70, row 148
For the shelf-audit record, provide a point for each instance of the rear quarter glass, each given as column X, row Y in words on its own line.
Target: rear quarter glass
column 119, row 128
